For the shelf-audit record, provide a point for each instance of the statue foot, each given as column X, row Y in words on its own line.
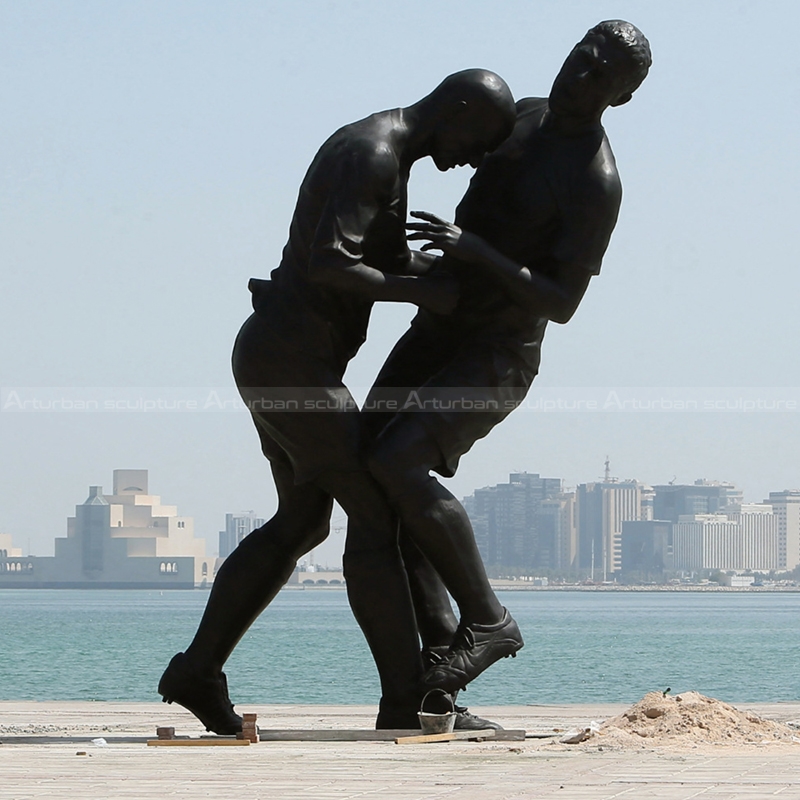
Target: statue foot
column 431, row 656
column 469, row 722
column 474, row 649
column 206, row 697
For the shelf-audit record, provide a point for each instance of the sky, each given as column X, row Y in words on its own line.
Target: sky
column 152, row 153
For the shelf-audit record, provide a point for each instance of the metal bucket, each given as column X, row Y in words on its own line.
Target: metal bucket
column 437, row 723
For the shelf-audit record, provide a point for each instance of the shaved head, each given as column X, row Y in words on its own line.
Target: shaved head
column 483, row 93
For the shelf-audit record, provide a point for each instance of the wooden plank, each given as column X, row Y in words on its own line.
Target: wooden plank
column 361, row 735
column 427, row 738
column 198, row 742
column 330, row 735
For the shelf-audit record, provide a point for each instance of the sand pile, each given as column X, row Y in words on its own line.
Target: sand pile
column 688, row 718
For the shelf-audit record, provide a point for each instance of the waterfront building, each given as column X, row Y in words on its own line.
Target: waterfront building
column 237, row 526
column 602, row 509
column 702, row 497
column 738, row 581
column 315, row 576
column 786, row 505
column 11, row 560
column 127, row 539
column 558, row 527
column 7, row 549
column 744, row 538
column 510, row 529
column 759, row 535
column 694, row 535
column 647, row 549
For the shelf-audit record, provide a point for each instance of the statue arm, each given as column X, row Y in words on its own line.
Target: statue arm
column 366, row 185
column 555, row 298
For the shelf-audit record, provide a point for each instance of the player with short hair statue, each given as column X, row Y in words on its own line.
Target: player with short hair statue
column 529, row 234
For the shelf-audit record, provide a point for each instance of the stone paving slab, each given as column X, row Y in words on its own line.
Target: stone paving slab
column 374, row 770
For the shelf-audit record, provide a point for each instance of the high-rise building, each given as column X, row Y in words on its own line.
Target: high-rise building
column 647, row 549
column 672, row 501
column 743, row 538
column 237, row 526
column 558, row 531
column 786, row 505
column 509, row 529
column 602, row 508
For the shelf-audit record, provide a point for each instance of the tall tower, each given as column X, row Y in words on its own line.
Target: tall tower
column 237, row 526
column 602, row 508
column 92, row 525
column 511, row 530
column 786, row 505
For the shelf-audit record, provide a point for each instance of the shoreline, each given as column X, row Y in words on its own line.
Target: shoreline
column 499, row 585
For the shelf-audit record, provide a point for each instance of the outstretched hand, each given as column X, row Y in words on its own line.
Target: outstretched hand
column 439, row 234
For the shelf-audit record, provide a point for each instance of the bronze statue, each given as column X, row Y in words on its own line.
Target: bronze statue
column 529, row 234
column 347, row 248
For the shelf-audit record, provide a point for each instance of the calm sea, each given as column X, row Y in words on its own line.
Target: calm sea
column 581, row 647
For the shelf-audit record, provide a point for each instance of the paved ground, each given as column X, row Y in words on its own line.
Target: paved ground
column 39, row 758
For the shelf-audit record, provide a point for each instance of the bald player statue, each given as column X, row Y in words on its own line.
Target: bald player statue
column 347, row 249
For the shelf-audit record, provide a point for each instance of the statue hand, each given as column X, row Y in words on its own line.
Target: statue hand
column 439, row 234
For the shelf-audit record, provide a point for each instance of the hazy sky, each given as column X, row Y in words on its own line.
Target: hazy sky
column 152, row 153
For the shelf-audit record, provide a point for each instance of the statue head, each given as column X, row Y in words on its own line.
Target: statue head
column 471, row 113
column 603, row 69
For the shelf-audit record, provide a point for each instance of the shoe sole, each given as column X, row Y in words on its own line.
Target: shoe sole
column 199, row 715
column 458, row 683
column 169, row 698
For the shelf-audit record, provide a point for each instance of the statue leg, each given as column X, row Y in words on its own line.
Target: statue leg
column 378, row 591
column 435, row 618
column 401, row 460
column 244, row 586
column 259, row 567
column 437, row 626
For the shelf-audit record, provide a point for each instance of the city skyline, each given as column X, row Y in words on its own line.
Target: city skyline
column 238, row 523
column 613, row 529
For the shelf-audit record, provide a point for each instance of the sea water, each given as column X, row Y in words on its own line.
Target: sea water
column 580, row 647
